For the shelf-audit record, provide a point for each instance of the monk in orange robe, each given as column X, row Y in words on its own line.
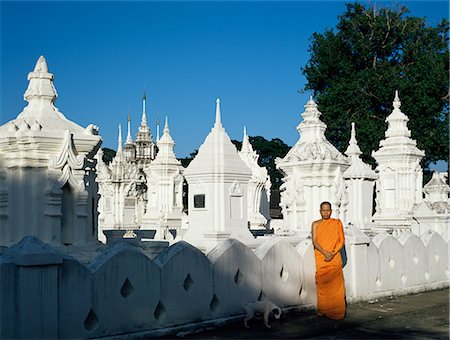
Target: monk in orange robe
column 328, row 239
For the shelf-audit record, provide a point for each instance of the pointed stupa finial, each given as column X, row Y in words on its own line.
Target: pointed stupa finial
column 41, row 84
column 41, row 65
column 157, row 127
column 119, row 140
column 129, row 139
column 144, row 114
column 353, row 135
column 166, row 125
column 218, row 117
column 397, row 103
column 246, row 146
column 353, row 149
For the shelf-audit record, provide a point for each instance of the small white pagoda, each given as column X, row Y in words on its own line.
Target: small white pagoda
column 312, row 174
column 434, row 211
column 360, row 182
column 164, row 188
column 217, row 201
column 399, row 187
column 47, row 171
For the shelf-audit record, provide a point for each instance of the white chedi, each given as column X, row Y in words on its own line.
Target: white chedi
column 258, row 197
column 399, row 186
column 217, row 200
column 164, row 188
column 47, row 176
column 312, row 174
column 360, row 180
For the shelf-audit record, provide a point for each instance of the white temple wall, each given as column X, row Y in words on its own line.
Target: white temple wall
column 360, row 197
column 122, row 290
column 237, row 277
column 186, row 285
column 281, row 272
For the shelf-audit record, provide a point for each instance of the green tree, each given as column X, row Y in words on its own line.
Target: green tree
column 187, row 160
column 108, row 155
column 355, row 69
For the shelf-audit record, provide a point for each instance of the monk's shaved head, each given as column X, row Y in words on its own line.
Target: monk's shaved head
column 325, row 203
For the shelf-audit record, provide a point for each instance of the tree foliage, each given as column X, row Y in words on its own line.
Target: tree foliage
column 108, row 155
column 355, row 69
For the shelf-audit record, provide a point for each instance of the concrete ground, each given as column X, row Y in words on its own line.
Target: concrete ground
column 419, row 316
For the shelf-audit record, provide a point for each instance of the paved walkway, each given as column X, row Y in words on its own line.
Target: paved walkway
column 419, row 316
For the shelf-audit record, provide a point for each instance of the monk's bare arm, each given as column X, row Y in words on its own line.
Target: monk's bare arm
column 328, row 254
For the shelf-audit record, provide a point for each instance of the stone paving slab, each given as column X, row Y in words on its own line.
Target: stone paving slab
column 419, row 316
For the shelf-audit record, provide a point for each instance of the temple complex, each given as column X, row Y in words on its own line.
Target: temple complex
column 58, row 199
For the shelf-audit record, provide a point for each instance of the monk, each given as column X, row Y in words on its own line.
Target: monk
column 328, row 239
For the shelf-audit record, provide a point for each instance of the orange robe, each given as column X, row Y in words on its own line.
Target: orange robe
column 329, row 275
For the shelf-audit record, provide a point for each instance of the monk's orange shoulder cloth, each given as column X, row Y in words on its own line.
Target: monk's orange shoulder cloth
column 329, row 275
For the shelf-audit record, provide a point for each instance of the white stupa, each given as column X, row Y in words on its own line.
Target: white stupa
column 47, row 171
column 360, row 182
column 165, row 188
column 313, row 173
column 217, row 179
column 399, row 187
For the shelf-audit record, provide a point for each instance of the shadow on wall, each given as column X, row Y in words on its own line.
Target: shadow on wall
column 122, row 290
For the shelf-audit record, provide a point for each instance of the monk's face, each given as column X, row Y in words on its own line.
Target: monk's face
column 325, row 211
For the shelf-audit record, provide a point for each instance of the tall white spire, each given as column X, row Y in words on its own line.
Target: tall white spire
column 157, row 127
column 218, row 118
column 119, row 140
column 129, row 139
column 144, row 114
column 166, row 125
column 246, row 146
column 353, row 149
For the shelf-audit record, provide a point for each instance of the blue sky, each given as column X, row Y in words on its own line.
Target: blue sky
column 185, row 54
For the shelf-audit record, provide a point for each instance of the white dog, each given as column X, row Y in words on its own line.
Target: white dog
column 265, row 307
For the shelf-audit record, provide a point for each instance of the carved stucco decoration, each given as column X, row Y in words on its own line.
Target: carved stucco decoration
column 68, row 162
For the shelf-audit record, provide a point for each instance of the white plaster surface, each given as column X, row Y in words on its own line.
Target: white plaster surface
column 237, row 277
column 127, row 290
column 281, row 270
column 308, row 295
column 186, row 284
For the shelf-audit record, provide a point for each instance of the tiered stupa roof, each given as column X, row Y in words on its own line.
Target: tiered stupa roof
column 166, row 144
column 40, row 121
column 312, row 145
column 217, row 155
column 397, row 135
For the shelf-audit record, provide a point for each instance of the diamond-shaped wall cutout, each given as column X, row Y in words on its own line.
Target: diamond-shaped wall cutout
column 91, row 322
column 160, row 312
column 284, row 274
column 238, row 277
column 127, row 289
column 214, row 305
column 188, row 283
